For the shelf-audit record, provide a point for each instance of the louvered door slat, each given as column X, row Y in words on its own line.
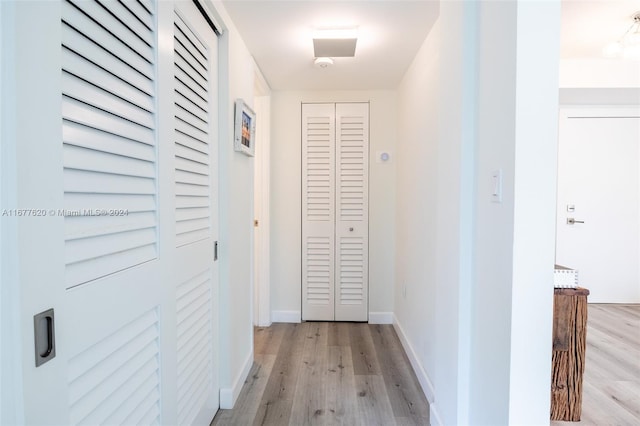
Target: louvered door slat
column 82, row 158
column 82, row 136
column 194, row 345
column 78, row 43
column 185, row 141
column 192, row 119
column 192, row 135
column 190, row 83
column 116, row 375
column 97, row 76
column 100, row 98
column 77, row 227
column 73, row 15
column 137, row 10
column 108, row 131
column 96, row 12
column 82, row 113
column 92, row 182
column 184, row 91
column 129, row 20
column 193, row 46
column 101, row 267
column 133, row 202
column 190, row 55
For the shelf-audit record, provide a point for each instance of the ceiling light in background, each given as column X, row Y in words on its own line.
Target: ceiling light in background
column 323, row 62
column 628, row 46
column 335, row 42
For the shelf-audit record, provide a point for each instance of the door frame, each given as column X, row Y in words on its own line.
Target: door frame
column 261, row 205
column 11, row 401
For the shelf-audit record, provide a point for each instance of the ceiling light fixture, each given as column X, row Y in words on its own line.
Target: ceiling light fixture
column 335, row 42
column 323, row 62
column 628, row 46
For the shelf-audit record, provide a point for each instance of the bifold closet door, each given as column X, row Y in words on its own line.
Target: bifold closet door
column 335, row 151
column 352, row 212
column 318, row 211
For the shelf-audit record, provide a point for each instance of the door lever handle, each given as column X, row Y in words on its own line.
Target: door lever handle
column 572, row 221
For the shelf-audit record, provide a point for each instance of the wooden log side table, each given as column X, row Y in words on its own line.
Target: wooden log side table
column 569, row 344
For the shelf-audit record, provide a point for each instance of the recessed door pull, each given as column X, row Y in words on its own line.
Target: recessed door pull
column 44, row 332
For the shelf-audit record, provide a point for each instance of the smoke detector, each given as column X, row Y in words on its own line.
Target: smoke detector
column 323, row 62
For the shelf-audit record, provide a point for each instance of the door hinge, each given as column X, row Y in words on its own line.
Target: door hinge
column 215, row 251
column 255, row 222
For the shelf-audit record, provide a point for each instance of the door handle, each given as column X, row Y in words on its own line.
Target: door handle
column 572, row 221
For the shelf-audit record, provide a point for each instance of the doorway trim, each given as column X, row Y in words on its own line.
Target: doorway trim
column 261, row 206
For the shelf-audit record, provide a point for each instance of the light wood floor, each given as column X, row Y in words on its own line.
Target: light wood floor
column 611, row 385
column 319, row 373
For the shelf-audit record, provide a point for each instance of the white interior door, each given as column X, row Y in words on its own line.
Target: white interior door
column 352, row 212
column 193, row 268
column 599, row 184
column 335, row 152
column 121, row 242
column 318, row 211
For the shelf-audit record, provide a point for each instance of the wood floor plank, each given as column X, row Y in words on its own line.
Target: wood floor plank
column 310, row 393
column 267, row 340
column 402, row 386
column 247, row 406
column 412, row 421
column 374, row 408
column 341, row 393
column 277, row 400
column 339, row 334
column 363, row 352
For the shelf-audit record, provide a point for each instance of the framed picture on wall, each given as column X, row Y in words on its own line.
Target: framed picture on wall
column 245, row 129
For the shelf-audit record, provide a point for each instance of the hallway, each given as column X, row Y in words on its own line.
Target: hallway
column 330, row 374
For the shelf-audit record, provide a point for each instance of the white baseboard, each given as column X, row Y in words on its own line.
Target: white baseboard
column 421, row 374
column 229, row 396
column 434, row 416
column 286, row 316
column 380, row 317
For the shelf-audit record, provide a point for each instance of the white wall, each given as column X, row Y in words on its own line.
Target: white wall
column 435, row 129
column 236, row 218
column 599, row 72
column 480, row 96
column 286, row 198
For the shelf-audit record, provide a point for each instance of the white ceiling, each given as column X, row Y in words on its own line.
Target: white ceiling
column 279, row 35
column 587, row 26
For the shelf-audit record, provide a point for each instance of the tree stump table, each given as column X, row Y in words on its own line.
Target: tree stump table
column 569, row 344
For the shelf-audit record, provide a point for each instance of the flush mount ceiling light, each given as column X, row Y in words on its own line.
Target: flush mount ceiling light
column 335, row 43
column 628, row 46
column 323, row 62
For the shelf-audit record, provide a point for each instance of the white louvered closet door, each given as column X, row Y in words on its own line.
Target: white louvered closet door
column 318, row 211
column 335, row 151
column 352, row 212
column 195, row 206
column 122, row 246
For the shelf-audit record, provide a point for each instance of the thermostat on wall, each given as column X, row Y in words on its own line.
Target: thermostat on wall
column 383, row 157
